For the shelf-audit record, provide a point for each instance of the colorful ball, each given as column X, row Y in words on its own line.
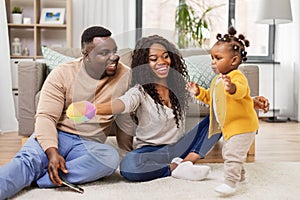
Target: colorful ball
column 81, row 111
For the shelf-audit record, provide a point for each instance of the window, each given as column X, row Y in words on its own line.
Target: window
column 259, row 35
column 158, row 17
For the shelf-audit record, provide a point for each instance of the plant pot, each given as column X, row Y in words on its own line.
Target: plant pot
column 17, row 18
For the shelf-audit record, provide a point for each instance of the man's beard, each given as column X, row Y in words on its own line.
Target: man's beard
column 107, row 75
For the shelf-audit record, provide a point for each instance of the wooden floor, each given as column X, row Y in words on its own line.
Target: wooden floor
column 277, row 142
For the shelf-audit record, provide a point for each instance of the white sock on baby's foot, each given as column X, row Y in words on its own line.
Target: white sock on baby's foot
column 188, row 171
column 243, row 182
column 225, row 189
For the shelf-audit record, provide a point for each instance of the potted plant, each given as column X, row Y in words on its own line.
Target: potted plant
column 190, row 25
column 17, row 15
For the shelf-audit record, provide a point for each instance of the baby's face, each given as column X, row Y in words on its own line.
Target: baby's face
column 222, row 58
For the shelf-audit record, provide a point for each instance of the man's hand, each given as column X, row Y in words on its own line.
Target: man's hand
column 262, row 103
column 56, row 162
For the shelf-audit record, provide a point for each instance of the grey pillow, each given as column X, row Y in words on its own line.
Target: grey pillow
column 67, row 51
column 53, row 58
column 199, row 69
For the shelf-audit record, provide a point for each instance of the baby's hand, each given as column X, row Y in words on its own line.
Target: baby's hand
column 81, row 111
column 193, row 88
column 228, row 85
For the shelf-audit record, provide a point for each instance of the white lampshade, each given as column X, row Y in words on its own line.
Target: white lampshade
column 274, row 12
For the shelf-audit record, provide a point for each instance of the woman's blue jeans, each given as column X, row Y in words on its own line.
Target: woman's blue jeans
column 151, row 162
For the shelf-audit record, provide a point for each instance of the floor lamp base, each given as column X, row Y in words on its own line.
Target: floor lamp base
column 275, row 120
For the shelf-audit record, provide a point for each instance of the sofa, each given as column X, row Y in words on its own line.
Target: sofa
column 32, row 74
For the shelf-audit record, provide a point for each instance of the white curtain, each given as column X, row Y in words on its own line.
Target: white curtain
column 118, row 16
column 296, row 43
column 287, row 78
column 8, row 121
column 296, row 32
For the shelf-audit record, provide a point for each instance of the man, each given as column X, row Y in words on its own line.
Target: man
column 60, row 148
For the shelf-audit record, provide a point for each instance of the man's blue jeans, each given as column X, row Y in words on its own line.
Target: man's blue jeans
column 151, row 162
column 85, row 160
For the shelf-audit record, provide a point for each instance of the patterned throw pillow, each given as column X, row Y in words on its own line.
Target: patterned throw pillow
column 199, row 69
column 53, row 58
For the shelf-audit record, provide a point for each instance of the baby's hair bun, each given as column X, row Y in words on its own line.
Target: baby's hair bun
column 241, row 37
column 231, row 31
column 247, row 43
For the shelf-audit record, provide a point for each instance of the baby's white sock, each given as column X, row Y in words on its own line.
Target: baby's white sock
column 225, row 189
column 188, row 171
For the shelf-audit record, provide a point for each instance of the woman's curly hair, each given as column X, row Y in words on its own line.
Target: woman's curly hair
column 176, row 80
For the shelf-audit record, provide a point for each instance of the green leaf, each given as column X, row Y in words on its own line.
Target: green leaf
column 189, row 26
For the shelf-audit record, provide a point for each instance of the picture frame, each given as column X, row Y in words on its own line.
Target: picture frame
column 52, row 16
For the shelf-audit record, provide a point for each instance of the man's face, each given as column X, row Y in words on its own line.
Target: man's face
column 101, row 59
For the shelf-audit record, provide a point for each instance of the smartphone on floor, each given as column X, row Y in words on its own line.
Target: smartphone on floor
column 73, row 186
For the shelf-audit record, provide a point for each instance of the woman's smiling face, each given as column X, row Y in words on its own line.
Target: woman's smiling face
column 159, row 60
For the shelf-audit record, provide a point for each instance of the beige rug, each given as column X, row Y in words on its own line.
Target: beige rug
column 274, row 181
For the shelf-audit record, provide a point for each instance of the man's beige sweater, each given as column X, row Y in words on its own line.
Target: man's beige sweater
column 70, row 83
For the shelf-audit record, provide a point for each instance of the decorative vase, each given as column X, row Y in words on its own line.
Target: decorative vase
column 17, row 18
column 16, row 47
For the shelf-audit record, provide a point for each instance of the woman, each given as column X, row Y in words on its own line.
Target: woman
column 157, row 102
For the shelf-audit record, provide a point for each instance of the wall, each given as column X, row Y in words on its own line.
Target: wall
column 8, row 121
column 118, row 16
